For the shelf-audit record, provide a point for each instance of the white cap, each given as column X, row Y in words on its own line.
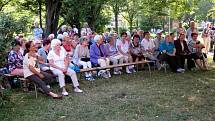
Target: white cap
column 159, row 31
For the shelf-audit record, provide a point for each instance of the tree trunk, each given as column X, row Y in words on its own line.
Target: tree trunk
column 116, row 22
column 40, row 13
column 52, row 16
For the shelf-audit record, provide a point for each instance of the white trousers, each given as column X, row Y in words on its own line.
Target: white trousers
column 207, row 44
column 86, row 65
column 61, row 77
column 104, row 63
column 117, row 59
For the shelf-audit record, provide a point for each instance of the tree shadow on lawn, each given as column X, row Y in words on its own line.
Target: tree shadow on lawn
column 163, row 97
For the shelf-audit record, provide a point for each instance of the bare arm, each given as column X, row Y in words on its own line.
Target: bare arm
column 33, row 70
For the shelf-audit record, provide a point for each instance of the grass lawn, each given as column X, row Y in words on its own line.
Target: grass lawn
column 135, row 97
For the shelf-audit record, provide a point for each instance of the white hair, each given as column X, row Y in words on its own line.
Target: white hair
column 60, row 36
column 97, row 37
column 51, row 36
column 54, row 42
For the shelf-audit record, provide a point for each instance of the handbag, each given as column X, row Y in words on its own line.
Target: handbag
column 74, row 67
column 85, row 59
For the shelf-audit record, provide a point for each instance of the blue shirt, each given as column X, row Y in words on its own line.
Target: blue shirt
column 38, row 32
column 169, row 47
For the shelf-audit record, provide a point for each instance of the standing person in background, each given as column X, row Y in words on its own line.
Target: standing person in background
column 206, row 36
column 38, row 32
column 190, row 30
column 180, row 29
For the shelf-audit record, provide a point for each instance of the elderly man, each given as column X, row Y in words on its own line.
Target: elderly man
column 149, row 48
column 157, row 42
column 190, row 30
column 98, row 55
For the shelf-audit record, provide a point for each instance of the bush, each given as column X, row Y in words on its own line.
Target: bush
column 8, row 27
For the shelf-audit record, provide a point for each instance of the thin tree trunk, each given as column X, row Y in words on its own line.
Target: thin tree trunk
column 40, row 13
column 116, row 22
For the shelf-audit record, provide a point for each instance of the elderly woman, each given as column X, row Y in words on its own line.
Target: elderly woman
column 195, row 48
column 59, row 62
column 168, row 51
column 33, row 73
column 113, row 54
column 43, row 52
column 136, row 49
column 123, row 47
column 183, row 52
column 98, row 55
column 15, row 59
column 82, row 57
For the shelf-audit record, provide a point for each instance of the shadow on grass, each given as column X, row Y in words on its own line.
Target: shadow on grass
column 163, row 97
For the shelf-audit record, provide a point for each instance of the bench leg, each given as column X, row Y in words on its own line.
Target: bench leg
column 150, row 73
column 35, row 90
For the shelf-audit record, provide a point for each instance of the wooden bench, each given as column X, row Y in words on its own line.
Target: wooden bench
column 23, row 82
column 119, row 65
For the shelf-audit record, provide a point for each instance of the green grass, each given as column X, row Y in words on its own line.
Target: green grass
column 136, row 97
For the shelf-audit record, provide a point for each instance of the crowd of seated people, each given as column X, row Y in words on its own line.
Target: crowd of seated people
column 60, row 53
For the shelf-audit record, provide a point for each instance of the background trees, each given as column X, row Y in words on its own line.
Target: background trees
column 144, row 14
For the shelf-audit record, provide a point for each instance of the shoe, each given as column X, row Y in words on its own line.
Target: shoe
column 88, row 78
column 48, row 86
column 133, row 70
column 58, row 97
column 180, row 71
column 108, row 73
column 91, row 78
column 159, row 68
column 78, row 90
column 105, row 75
column 65, row 93
column 100, row 73
column 116, row 72
column 128, row 72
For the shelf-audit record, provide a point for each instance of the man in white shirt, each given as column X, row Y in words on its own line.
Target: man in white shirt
column 191, row 30
column 149, row 48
